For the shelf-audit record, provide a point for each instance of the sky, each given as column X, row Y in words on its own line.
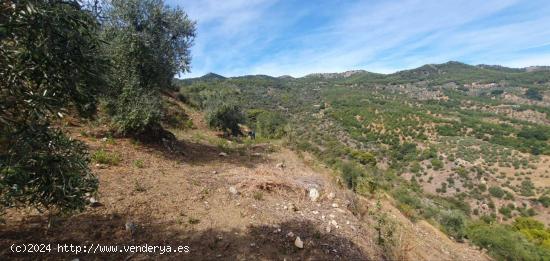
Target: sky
column 298, row 37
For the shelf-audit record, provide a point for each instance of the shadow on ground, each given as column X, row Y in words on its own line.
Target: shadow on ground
column 202, row 154
column 256, row 243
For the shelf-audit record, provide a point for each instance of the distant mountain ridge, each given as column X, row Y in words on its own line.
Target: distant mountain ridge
column 336, row 75
column 428, row 71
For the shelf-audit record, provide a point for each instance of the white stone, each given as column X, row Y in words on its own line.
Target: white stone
column 298, row 243
column 313, row 194
column 233, row 190
column 94, row 203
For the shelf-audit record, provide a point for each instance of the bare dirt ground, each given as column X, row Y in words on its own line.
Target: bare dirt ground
column 249, row 204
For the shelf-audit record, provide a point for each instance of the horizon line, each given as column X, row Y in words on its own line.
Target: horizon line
column 363, row 70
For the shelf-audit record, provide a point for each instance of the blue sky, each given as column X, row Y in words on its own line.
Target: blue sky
column 298, row 37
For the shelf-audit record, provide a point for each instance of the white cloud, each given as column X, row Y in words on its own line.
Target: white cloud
column 238, row 37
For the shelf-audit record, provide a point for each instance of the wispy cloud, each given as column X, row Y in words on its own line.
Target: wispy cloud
column 277, row 37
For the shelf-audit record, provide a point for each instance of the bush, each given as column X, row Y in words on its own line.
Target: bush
column 526, row 188
column 527, row 223
column 497, row 92
column 350, row 175
column 364, row 157
column 506, row 211
column 270, row 125
column 533, row 94
column 226, row 117
column 437, row 164
column 540, row 133
column 496, row 192
column 453, row 223
column 406, row 152
column 504, row 243
column 544, row 200
column 448, row 130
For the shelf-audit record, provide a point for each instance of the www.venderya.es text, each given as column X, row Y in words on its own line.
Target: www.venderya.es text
column 97, row 248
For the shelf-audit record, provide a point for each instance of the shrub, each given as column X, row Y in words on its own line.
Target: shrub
column 539, row 133
column 506, row 211
column 453, row 223
column 533, row 94
column 504, row 243
column 496, row 192
column 350, row 175
column 497, row 92
column 482, row 187
column 415, row 167
column 437, row 164
column 406, row 152
column 225, row 117
column 527, row 223
column 448, row 130
column 526, row 188
column 544, row 200
column 366, row 186
column 410, row 198
column 364, row 157
column 270, row 125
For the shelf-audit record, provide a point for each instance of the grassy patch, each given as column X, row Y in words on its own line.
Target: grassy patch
column 104, row 157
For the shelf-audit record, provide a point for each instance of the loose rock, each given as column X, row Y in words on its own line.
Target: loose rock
column 313, row 194
column 94, row 203
column 298, row 243
column 233, row 190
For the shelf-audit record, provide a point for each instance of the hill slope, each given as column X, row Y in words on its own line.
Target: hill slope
column 456, row 145
column 249, row 203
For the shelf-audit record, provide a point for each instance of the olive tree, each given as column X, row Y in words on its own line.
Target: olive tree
column 148, row 43
column 50, row 64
